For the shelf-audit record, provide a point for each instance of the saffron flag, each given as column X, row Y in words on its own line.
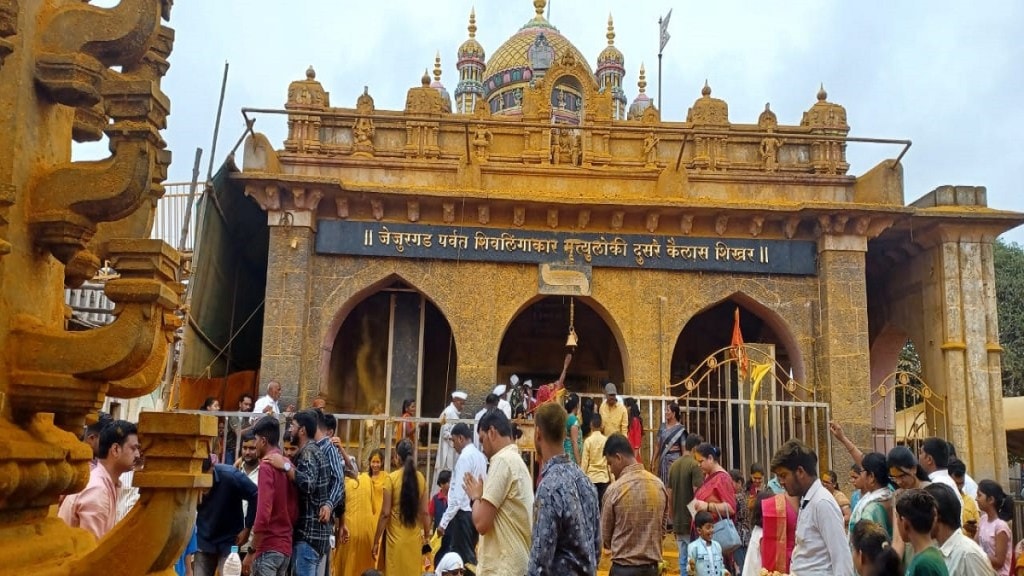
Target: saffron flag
column 664, row 30
column 738, row 352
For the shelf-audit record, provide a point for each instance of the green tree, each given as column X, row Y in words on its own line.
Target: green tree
column 1009, row 268
column 909, row 362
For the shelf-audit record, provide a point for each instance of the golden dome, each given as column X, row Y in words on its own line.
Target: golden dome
column 514, row 54
column 610, row 54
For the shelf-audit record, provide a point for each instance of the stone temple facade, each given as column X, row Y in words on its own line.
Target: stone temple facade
column 454, row 242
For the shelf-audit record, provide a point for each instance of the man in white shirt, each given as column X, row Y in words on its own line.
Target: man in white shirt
column 933, row 456
column 268, row 404
column 963, row 556
column 456, row 526
column 490, row 403
column 500, row 391
column 821, row 545
column 445, row 449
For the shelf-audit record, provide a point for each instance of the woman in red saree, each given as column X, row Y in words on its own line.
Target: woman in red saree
column 716, row 494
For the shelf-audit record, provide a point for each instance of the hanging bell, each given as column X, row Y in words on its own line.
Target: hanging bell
column 571, row 341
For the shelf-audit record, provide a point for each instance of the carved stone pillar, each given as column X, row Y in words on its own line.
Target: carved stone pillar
column 287, row 296
column 842, row 349
column 968, row 374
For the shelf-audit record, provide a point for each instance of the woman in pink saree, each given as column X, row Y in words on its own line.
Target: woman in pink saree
column 778, row 515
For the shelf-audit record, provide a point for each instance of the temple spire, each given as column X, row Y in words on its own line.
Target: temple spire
column 472, row 22
column 642, row 83
column 611, row 31
column 437, row 66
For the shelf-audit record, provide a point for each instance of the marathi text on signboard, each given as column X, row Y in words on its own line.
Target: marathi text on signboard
column 765, row 256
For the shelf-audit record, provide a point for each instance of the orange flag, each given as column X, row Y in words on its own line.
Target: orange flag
column 738, row 352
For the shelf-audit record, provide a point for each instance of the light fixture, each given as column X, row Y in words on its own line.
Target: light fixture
column 105, row 273
column 572, row 340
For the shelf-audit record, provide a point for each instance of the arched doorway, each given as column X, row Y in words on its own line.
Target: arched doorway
column 904, row 408
column 393, row 345
column 533, row 346
column 748, row 421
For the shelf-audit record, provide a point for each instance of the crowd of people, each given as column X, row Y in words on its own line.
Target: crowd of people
column 311, row 511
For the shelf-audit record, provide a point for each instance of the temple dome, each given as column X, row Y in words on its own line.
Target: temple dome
column 510, row 64
column 471, row 48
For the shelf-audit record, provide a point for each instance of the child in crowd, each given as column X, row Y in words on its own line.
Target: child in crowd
column 915, row 515
column 872, row 552
column 705, row 555
column 439, row 503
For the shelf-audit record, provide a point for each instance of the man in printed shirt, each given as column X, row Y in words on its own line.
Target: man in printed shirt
column 566, row 538
column 634, row 513
column 821, row 544
column 95, row 508
column 312, row 476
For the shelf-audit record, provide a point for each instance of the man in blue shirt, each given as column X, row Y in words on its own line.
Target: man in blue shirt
column 220, row 523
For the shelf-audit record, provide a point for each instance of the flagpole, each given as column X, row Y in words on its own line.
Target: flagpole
column 660, row 43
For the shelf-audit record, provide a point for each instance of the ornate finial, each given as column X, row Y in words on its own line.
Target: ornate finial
column 767, row 106
column 426, row 78
column 822, row 95
column 437, row 66
column 472, row 22
column 642, row 84
column 611, row 30
column 310, row 73
column 538, row 7
column 706, row 90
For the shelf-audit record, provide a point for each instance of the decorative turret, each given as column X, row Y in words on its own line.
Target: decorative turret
column 610, row 71
column 708, row 111
column 470, row 65
column 642, row 100
column 437, row 85
column 828, row 155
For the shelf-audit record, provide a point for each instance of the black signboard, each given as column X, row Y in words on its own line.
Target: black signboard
column 656, row 251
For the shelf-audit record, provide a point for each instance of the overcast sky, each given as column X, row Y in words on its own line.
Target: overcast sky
column 946, row 74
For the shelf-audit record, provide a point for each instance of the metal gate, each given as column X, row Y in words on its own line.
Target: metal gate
column 905, row 410
column 750, row 417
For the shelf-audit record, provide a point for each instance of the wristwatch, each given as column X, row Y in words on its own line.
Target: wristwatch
column 287, row 467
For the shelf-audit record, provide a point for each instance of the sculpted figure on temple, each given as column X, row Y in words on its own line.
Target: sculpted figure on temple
column 651, row 149
column 770, row 152
column 482, row 142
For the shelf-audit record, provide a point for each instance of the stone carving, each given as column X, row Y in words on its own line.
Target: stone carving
column 756, row 225
column 828, row 155
column 618, row 218
column 482, row 138
column 767, row 121
column 363, row 128
column 721, row 224
column 650, row 154
column 519, row 216
column 420, row 136
column 105, row 65
column 770, row 152
column 342, row 205
column 652, row 221
column 305, row 97
column 483, row 214
column 377, row 209
column 575, row 153
column 708, row 111
column 790, row 227
column 307, row 93
column 583, row 219
column 448, row 212
column 553, row 217
column 413, row 210
column 686, row 224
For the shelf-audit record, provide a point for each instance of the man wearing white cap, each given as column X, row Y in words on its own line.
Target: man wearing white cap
column 503, row 404
column 445, row 448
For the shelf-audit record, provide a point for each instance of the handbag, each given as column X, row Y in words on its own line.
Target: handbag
column 726, row 535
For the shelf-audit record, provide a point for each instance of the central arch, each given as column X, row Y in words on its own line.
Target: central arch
column 534, row 345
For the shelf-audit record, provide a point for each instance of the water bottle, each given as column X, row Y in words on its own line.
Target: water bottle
column 233, row 565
